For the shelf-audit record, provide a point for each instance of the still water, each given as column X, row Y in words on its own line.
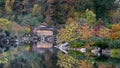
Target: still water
column 26, row 53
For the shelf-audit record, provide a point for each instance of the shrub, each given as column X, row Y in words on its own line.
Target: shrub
column 90, row 16
column 28, row 20
column 115, row 53
column 77, row 44
column 76, row 54
column 100, row 42
column 114, row 44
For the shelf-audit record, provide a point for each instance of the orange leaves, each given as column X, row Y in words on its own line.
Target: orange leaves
column 115, row 35
column 85, row 32
column 70, row 20
column 105, row 65
column 73, row 30
column 14, row 27
column 115, row 32
column 85, row 64
column 115, row 27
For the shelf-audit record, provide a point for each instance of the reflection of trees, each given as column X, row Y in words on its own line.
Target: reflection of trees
column 21, row 58
column 84, row 64
column 66, row 61
column 25, row 60
column 19, row 63
column 88, row 61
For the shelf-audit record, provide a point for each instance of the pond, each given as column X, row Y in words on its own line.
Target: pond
column 39, row 52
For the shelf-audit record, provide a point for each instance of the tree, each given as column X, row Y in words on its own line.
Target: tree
column 102, row 8
column 69, row 32
column 59, row 11
column 90, row 17
column 28, row 20
column 116, row 16
column 82, row 5
column 9, row 5
column 4, row 23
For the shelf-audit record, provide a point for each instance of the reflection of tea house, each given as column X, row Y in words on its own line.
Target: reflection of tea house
column 46, row 37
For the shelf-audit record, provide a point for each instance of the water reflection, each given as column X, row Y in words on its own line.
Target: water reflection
column 27, row 50
column 31, row 51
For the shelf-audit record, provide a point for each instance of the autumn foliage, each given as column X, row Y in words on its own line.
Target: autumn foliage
column 115, row 31
column 84, row 64
column 69, row 32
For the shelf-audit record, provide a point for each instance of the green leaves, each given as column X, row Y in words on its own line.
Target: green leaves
column 100, row 42
column 77, row 44
column 102, row 7
column 115, row 53
column 28, row 20
column 114, row 43
column 3, row 60
column 90, row 17
column 69, row 33
column 4, row 23
column 5, row 57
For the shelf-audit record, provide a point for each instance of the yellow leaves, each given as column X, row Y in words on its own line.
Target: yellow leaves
column 69, row 32
column 66, row 61
column 35, row 9
column 4, row 58
column 104, row 32
column 5, row 54
column 90, row 16
column 4, row 23
column 9, row 5
column 27, row 29
column 74, row 31
column 78, row 15
column 27, row 48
